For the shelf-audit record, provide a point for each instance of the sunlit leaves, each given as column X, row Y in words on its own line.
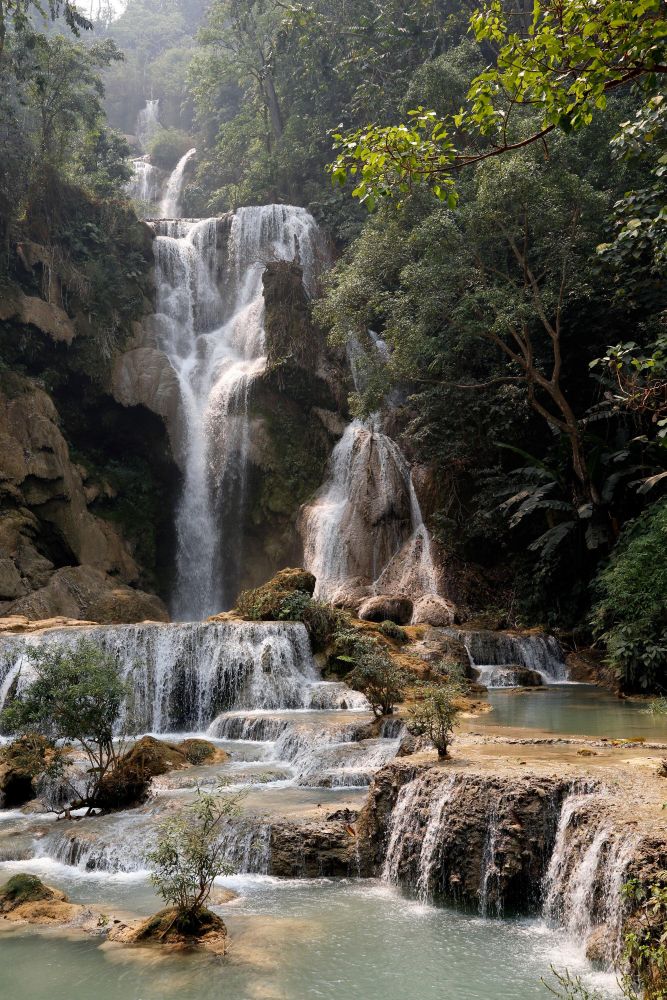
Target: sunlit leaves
column 561, row 62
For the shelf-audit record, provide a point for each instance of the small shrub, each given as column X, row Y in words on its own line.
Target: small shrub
column 189, row 855
column 77, row 696
column 393, row 631
column 448, row 669
column 379, row 678
column 434, row 716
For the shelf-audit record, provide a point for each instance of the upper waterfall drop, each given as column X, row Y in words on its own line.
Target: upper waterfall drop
column 170, row 204
column 148, row 122
column 210, row 313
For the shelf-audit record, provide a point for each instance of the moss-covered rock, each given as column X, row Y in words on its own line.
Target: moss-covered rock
column 264, row 603
column 24, row 888
column 167, row 928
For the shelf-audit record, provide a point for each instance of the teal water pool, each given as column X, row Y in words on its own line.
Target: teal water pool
column 576, row 710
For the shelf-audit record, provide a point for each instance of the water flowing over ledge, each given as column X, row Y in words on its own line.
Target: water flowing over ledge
column 184, row 675
column 498, row 843
column 501, row 659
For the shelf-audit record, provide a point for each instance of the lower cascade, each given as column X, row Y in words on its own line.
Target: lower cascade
column 548, row 845
column 182, row 676
column 504, row 660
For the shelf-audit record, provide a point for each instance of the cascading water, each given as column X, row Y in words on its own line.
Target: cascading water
column 148, row 122
column 497, row 656
column 365, row 527
column 588, row 867
column 182, row 676
column 144, row 186
column 170, row 204
column 210, row 313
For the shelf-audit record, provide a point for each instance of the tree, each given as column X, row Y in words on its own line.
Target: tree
column 379, row 678
column 560, row 63
column 76, row 694
column 434, row 715
column 18, row 15
column 631, row 615
column 189, row 856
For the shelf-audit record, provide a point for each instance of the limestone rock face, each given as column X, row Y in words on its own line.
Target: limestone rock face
column 144, row 376
column 386, row 608
column 86, row 593
column 48, row 317
column 520, row 813
column 56, row 557
column 313, row 850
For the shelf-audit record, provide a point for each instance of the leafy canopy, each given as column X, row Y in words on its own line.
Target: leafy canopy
column 560, row 63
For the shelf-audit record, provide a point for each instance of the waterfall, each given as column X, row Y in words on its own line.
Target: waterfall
column 144, row 185
column 588, row 867
column 169, row 206
column 469, row 836
column 182, row 676
column 498, row 657
column 210, row 312
column 147, row 122
column 119, row 843
column 366, row 525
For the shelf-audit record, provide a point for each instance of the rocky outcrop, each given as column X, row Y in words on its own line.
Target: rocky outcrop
column 143, row 376
column 48, row 317
column 313, row 850
column 26, row 899
column 384, row 607
column 478, row 839
column 56, row 557
column 264, row 603
column 81, row 592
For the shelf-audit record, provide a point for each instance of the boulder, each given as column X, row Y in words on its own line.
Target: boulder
column 87, row 593
column 264, row 602
column 386, row 608
column 599, row 944
column 26, row 899
column 431, row 609
column 157, row 757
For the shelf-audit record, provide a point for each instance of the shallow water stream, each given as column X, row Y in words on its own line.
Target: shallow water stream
column 320, row 938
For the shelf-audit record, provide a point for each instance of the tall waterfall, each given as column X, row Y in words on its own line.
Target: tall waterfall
column 170, row 204
column 182, row 676
column 210, row 316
